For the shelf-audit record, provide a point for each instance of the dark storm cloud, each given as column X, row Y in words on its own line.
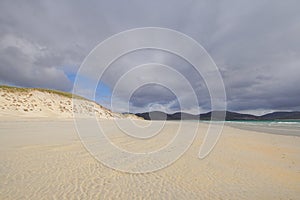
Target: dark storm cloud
column 255, row 44
column 148, row 94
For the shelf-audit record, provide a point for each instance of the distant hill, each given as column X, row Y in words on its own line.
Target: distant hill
column 281, row 115
column 157, row 115
column 218, row 115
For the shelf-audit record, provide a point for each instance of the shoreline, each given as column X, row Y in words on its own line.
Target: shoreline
column 255, row 126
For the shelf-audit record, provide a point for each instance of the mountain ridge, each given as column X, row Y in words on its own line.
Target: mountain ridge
column 219, row 115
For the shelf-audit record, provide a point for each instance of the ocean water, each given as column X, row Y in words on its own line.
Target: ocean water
column 291, row 127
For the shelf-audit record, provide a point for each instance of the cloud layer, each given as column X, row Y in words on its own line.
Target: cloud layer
column 255, row 44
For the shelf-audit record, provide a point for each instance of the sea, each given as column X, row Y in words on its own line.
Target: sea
column 290, row 127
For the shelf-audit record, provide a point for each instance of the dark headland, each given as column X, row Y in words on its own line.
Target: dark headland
column 219, row 115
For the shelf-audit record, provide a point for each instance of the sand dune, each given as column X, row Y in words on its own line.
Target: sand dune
column 26, row 102
column 45, row 160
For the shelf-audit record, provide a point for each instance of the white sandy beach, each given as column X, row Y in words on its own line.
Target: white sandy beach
column 150, row 100
column 44, row 159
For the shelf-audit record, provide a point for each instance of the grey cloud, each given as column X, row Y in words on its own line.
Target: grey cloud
column 255, row 44
column 17, row 68
column 125, row 67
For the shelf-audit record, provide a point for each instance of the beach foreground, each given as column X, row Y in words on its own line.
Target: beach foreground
column 44, row 159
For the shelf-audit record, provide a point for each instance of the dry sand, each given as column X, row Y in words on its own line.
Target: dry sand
column 44, row 159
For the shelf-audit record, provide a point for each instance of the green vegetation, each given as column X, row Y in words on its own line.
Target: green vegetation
column 61, row 93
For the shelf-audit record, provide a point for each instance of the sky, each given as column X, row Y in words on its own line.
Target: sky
column 255, row 45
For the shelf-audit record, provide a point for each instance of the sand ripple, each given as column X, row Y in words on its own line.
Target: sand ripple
column 244, row 165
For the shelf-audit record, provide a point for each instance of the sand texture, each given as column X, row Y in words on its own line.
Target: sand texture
column 44, row 159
